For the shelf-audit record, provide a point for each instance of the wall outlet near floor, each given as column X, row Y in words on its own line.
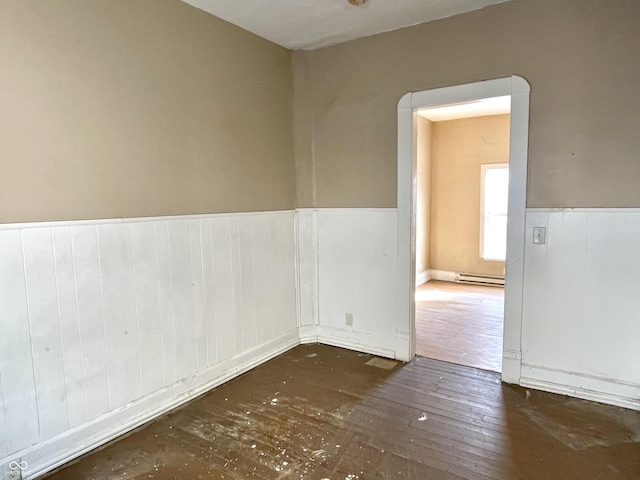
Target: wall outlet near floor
column 348, row 319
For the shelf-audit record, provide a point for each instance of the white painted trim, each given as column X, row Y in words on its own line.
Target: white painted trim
column 406, row 226
column 443, row 275
column 357, row 340
column 307, row 272
column 514, row 265
column 308, row 334
column 117, row 221
column 519, row 90
column 588, row 387
column 296, row 246
column 468, row 92
column 483, row 176
column 511, row 360
column 118, row 422
column 607, row 210
column 402, row 343
column 346, row 209
column 423, row 277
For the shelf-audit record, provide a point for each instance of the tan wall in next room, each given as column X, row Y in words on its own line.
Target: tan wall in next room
column 459, row 148
column 130, row 108
column 423, row 194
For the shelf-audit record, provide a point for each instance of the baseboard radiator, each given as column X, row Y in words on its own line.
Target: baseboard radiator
column 480, row 279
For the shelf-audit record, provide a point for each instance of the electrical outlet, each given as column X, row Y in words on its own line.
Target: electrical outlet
column 348, row 319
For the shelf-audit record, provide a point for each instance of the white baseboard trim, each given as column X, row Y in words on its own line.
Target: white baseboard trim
column 423, row 277
column 355, row 340
column 511, row 366
column 587, row 387
column 352, row 340
column 308, row 334
column 403, row 347
column 49, row 455
column 442, row 275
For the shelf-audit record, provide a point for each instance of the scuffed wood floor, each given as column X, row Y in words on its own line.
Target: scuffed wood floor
column 460, row 323
column 319, row 412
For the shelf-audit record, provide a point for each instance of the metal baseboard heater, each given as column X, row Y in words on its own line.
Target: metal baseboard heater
column 479, row 279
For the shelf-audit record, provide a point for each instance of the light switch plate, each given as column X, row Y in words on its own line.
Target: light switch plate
column 539, row 235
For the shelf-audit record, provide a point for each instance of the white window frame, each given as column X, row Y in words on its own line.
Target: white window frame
column 483, row 169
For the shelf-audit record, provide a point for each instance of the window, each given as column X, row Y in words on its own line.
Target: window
column 494, row 194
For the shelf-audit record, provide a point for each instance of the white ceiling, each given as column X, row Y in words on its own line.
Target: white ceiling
column 479, row 108
column 310, row 24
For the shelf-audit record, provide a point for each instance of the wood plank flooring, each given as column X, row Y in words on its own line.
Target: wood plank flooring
column 460, row 323
column 319, row 412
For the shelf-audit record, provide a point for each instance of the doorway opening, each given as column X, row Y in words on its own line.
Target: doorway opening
column 518, row 89
column 462, row 179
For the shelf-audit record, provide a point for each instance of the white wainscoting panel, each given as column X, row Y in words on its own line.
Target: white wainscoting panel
column 106, row 324
column 357, row 274
column 581, row 311
column 307, row 243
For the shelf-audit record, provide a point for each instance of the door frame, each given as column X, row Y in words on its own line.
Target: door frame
column 518, row 88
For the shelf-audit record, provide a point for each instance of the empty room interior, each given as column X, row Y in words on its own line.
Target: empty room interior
column 462, row 175
column 251, row 239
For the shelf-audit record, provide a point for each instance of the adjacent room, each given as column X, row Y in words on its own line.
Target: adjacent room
column 462, row 178
column 214, row 216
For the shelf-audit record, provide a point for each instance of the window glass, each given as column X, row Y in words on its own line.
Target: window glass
column 495, row 194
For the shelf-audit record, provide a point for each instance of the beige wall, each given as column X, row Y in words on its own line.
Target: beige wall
column 123, row 108
column 423, row 193
column 459, row 148
column 580, row 57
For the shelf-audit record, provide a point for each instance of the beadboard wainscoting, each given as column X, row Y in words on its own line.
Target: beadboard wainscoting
column 349, row 266
column 581, row 306
column 107, row 324
column 581, row 309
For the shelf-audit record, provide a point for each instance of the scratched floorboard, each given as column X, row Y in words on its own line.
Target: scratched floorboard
column 319, row 412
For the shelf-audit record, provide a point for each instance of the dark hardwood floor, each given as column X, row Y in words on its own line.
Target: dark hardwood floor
column 319, row 412
column 460, row 323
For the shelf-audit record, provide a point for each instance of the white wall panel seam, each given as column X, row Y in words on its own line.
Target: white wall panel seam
column 213, row 279
column 75, row 288
column 162, row 339
column 33, row 363
column 237, row 315
column 55, row 273
column 135, row 305
column 173, row 318
column 204, row 297
column 193, row 295
column 253, row 280
column 104, row 320
column 273, row 315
